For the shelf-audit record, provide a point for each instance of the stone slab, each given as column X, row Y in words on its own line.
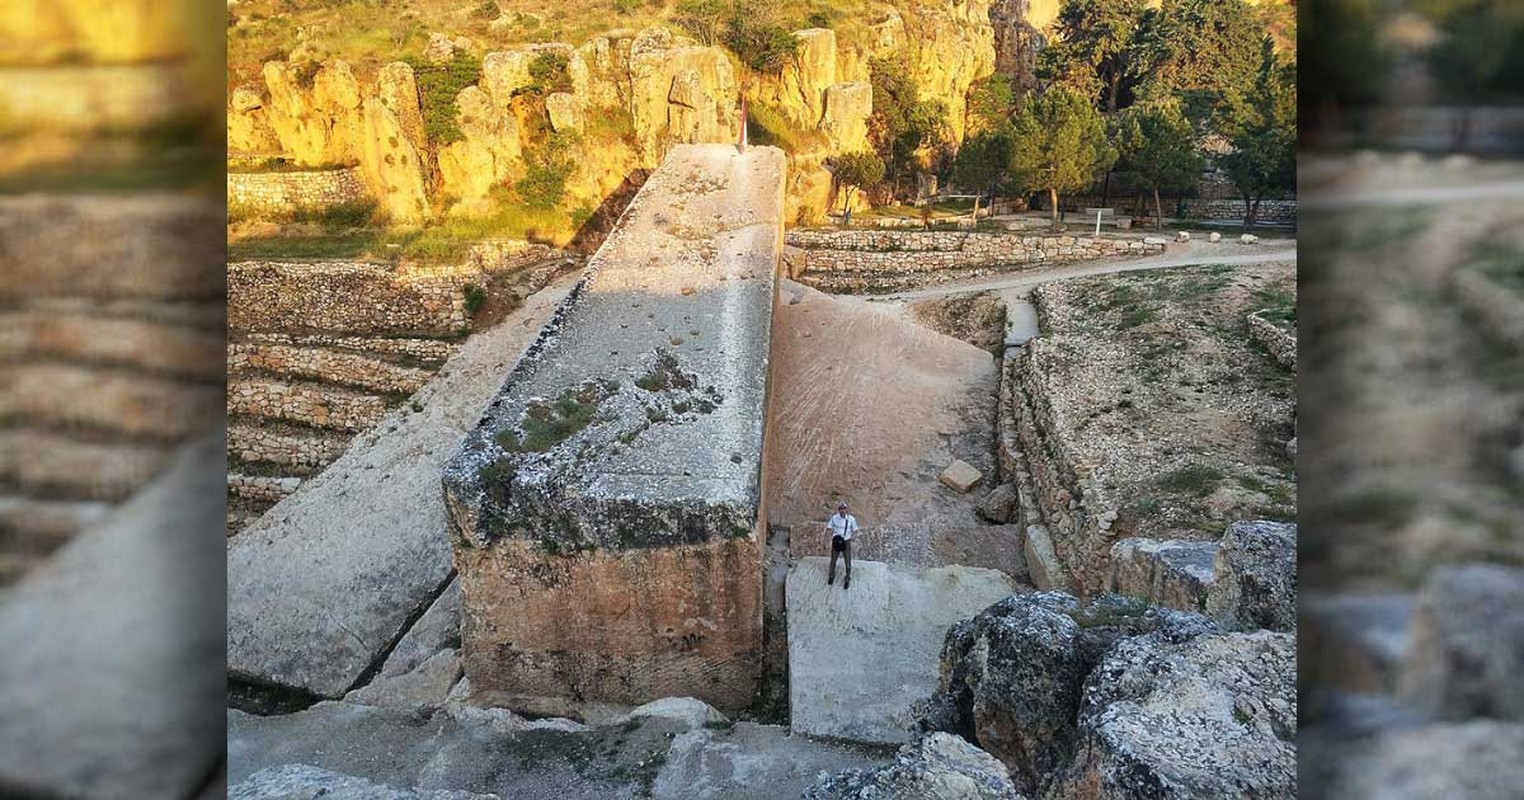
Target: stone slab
column 301, row 782
column 614, row 481
column 860, row 658
column 960, row 476
column 110, row 681
column 322, row 585
column 1043, row 566
column 637, row 420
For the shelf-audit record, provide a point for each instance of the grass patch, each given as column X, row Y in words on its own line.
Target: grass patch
column 545, row 425
column 769, row 127
column 664, row 374
column 1198, row 480
column 1503, row 262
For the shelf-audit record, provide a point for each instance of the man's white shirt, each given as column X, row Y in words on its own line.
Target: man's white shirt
column 843, row 526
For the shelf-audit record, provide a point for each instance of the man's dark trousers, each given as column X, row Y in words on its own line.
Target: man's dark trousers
column 844, row 546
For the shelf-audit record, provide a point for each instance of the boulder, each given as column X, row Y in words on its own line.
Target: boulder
column 1155, row 240
column 1248, row 238
column 937, row 766
column 302, row 782
column 1255, row 577
column 691, row 712
column 1214, row 237
column 1000, row 506
column 1468, row 644
column 1011, row 677
column 245, row 99
column 1165, row 716
column 1046, row 570
column 1172, row 573
column 748, row 761
column 1183, row 236
column 960, row 476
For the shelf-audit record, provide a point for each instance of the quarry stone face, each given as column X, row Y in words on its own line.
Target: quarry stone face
column 605, row 511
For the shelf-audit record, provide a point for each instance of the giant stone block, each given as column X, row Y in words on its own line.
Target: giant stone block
column 606, row 510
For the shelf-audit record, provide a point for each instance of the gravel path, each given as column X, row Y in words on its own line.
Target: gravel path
column 1177, row 255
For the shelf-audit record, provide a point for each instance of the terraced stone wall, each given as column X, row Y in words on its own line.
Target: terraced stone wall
column 279, row 192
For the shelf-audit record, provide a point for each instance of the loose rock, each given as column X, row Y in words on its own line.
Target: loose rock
column 938, row 766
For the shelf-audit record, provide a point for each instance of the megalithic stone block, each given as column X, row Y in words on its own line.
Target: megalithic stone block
column 606, row 512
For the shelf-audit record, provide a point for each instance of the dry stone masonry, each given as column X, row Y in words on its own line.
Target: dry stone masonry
column 275, row 193
column 848, row 258
column 606, row 512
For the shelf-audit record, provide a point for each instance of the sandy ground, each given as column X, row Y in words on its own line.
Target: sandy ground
column 870, row 407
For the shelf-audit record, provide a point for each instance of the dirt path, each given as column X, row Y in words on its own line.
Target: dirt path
column 1178, row 255
column 870, row 407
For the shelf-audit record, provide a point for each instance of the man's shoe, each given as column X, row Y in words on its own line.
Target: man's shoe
column 831, row 581
column 846, row 584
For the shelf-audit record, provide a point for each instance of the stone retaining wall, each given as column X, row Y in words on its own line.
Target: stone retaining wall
column 1284, row 211
column 1499, row 310
column 347, row 298
column 88, row 98
column 1280, row 342
column 260, row 488
column 1073, row 505
column 303, row 452
column 881, row 251
column 422, row 349
column 307, row 405
column 328, row 366
column 280, row 192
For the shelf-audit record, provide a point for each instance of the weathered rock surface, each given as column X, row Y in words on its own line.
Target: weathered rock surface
column 438, row 629
column 1011, row 677
column 1355, row 642
column 314, row 595
column 1468, row 644
column 100, row 696
column 960, row 476
column 1212, row 715
column 938, row 766
column 1255, row 577
column 859, row 658
column 1478, row 760
column 1046, row 570
column 751, row 762
column 1171, row 573
column 301, row 782
column 689, row 711
column 422, row 689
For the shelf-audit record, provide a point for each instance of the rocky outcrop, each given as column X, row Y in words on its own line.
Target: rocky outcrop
column 300, row 782
column 679, row 92
column 952, row 45
column 394, row 150
column 1255, row 577
column 938, row 766
column 1012, row 676
column 1466, row 657
column 490, row 151
column 1212, row 715
column 1018, row 33
column 847, row 108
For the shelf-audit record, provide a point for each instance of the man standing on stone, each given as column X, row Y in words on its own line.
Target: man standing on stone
column 842, row 527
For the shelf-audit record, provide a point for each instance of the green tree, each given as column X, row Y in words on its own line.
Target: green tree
column 991, row 102
column 1261, row 127
column 1473, row 61
column 1340, row 52
column 1197, row 51
column 1058, row 144
column 854, row 171
column 983, row 162
column 1158, row 144
column 705, row 20
column 1096, row 49
column 901, row 124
